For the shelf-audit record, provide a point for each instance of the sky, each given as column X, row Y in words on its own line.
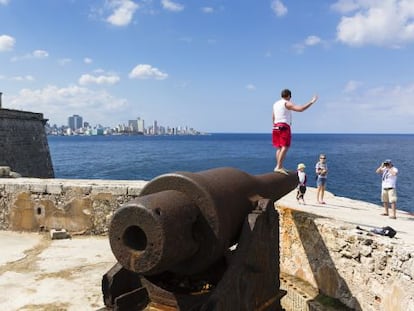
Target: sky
column 213, row 65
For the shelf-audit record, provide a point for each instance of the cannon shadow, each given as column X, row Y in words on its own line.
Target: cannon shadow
column 329, row 282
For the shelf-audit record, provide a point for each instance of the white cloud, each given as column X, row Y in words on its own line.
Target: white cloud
column 26, row 78
column 207, row 10
column 40, row 54
column 377, row 109
column 382, row 23
column 352, row 86
column 250, row 87
column 345, row 6
column 59, row 103
column 87, row 60
column 64, row 61
column 144, row 71
column 123, row 12
column 6, row 43
column 312, row 40
column 23, row 78
column 172, row 6
column 309, row 41
column 4, row 2
column 103, row 79
column 278, row 8
column 36, row 54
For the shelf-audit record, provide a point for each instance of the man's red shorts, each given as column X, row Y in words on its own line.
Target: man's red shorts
column 281, row 135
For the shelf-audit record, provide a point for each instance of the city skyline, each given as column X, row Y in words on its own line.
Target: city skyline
column 216, row 64
column 76, row 125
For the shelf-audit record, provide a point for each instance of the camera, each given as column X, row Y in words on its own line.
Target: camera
column 385, row 164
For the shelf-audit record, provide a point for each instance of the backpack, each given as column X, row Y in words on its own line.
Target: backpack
column 386, row 231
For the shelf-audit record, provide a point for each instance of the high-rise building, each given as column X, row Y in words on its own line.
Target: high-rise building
column 133, row 125
column 75, row 122
column 141, row 125
column 155, row 127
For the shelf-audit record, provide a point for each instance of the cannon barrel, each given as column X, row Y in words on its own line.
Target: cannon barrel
column 184, row 222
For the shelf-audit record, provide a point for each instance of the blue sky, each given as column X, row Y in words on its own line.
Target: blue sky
column 215, row 65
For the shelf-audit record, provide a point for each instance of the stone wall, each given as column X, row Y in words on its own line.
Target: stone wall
column 23, row 145
column 361, row 270
column 79, row 206
column 325, row 264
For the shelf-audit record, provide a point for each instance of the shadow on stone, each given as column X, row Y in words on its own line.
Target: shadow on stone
column 334, row 291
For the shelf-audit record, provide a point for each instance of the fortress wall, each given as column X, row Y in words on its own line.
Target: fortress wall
column 318, row 255
column 23, row 145
column 81, row 206
column 364, row 271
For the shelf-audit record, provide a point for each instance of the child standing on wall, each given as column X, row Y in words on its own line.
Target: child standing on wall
column 302, row 183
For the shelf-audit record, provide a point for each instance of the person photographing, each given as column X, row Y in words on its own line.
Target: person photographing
column 388, row 187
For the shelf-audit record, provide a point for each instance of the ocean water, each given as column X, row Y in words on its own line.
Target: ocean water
column 352, row 158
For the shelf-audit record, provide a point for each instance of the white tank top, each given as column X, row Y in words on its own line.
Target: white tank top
column 281, row 113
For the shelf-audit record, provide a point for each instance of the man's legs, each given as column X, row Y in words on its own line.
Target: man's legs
column 280, row 156
column 385, row 208
column 394, row 210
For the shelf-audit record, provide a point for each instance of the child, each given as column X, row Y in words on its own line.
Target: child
column 302, row 183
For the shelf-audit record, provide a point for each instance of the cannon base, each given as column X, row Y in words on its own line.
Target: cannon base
column 246, row 278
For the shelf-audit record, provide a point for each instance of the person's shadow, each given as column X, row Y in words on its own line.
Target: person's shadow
column 329, row 282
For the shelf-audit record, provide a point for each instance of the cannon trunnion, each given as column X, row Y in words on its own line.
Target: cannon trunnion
column 198, row 241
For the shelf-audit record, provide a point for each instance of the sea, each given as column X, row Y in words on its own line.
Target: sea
column 352, row 158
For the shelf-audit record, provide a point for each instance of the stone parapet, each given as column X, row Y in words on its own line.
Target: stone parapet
column 326, row 263
column 358, row 269
column 78, row 206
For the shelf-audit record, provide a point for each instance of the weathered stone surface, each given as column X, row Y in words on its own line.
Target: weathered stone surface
column 364, row 271
column 23, row 145
column 80, row 206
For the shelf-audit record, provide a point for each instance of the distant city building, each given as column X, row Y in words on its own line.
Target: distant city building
column 75, row 122
column 76, row 126
column 155, row 128
column 141, row 125
column 133, row 125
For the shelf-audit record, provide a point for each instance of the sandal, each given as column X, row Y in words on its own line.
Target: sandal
column 393, row 217
column 384, row 214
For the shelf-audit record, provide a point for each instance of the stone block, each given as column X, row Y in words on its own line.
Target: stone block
column 54, row 189
column 113, row 189
column 77, row 188
column 58, row 234
column 16, row 187
column 38, row 188
column 134, row 191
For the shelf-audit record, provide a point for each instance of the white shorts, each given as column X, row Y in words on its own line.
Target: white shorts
column 389, row 195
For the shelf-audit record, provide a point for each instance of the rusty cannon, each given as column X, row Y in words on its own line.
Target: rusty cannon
column 198, row 241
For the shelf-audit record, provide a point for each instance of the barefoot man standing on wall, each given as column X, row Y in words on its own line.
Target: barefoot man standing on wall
column 282, row 119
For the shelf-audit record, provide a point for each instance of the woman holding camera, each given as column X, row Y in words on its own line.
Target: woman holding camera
column 388, row 187
column 321, row 169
